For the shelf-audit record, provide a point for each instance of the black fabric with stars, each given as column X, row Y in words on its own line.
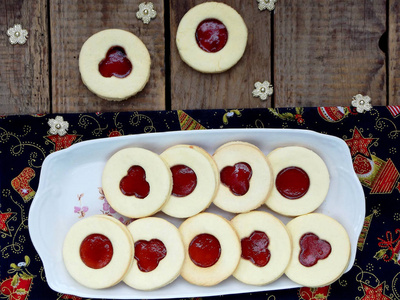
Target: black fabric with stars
column 373, row 138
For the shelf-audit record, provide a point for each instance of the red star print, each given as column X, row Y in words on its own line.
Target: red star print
column 3, row 219
column 375, row 293
column 359, row 144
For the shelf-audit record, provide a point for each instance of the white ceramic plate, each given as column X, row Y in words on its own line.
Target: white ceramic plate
column 70, row 180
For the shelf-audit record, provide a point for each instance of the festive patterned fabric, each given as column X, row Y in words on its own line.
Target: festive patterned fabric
column 373, row 138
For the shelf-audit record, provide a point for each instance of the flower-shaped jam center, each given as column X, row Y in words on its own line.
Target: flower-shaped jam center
column 149, row 254
column 134, row 183
column 116, row 63
column 211, row 35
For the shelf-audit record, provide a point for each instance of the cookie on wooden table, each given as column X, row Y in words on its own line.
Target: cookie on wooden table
column 114, row 64
column 211, row 37
column 98, row 251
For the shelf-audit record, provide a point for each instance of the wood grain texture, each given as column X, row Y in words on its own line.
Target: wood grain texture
column 24, row 69
column 232, row 89
column 394, row 52
column 327, row 51
column 72, row 23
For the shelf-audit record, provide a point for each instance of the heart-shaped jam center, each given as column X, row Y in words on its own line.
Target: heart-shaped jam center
column 255, row 248
column 312, row 249
column 116, row 63
column 184, row 180
column 149, row 254
column 211, row 35
column 237, row 178
column 292, row 183
column 96, row 251
column 134, row 183
column 204, row 250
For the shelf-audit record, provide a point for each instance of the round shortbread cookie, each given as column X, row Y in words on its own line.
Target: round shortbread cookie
column 169, row 267
column 260, row 183
column 95, row 49
column 122, row 255
column 211, row 62
column 312, row 164
column 326, row 270
column 222, row 230
column 157, row 175
column 207, row 180
column 270, row 254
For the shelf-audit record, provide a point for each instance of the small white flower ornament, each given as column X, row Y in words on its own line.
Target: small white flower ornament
column 361, row 103
column 58, row 126
column 146, row 12
column 263, row 90
column 266, row 4
column 17, row 35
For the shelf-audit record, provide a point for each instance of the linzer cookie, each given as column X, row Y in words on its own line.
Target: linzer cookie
column 211, row 37
column 321, row 250
column 245, row 176
column 301, row 181
column 159, row 254
column 98, row 251
column 266, row 247
column 114, row 64
column 136, row 182
column 212, row 249
column 195, row 180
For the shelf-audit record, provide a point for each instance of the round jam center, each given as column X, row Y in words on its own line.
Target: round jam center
column 149, row 254
column 134, row 183
column 96, row 251
column 292, row 183
column 116, row 63
column 237, row 178
column 312, row 249
column 204, row 250
column 255, row 248
column 184, row 180
column 211, row 35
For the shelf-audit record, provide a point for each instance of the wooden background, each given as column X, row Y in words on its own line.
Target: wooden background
column 314, row 52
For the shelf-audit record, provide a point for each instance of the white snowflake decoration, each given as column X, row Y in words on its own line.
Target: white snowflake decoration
column 146, row 12
column 263, row 90
column 17, row 35
column 361, row 103
column 58, row 126
column 266, row 4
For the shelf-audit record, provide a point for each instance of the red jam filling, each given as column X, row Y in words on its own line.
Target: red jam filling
column 211, row 35
column 237, row 178
column 96, row 251
column 116, row 63
column 204, row 250
column 184, row 180
column 292, row 183
column 312, row 249
column 149, row 254
column 134, row 183
column 255, row 248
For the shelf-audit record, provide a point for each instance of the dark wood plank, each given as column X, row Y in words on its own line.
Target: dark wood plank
column 327, row 51
column 72, row 22
column 232, row 89
column 24, row 69
column 394, row 52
